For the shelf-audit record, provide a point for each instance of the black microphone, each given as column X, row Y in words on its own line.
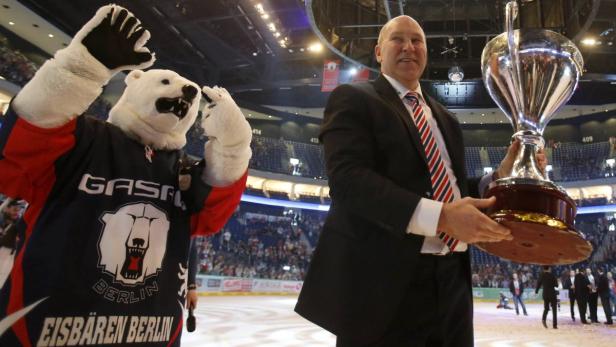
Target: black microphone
column 190, row 321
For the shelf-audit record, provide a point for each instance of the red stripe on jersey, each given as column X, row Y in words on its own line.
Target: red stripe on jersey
column 29, row 156
column 176, row 333
column 219, row 206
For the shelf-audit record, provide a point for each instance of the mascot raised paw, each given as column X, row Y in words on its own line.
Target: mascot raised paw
column 104, row 256
column 229, row 136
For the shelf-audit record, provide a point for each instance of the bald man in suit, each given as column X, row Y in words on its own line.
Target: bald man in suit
column 392, row 266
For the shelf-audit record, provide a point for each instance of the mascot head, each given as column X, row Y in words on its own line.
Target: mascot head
column 157, row 108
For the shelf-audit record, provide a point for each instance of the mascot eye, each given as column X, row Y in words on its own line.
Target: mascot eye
column 165, row 81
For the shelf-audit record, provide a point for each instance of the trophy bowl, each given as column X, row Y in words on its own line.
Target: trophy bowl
column 530, row 74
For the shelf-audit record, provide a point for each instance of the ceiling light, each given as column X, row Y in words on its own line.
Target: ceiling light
column 259, row 8
column 276, row 34
column 254, row 54
column 272, row 27
column 589, row 41
column 50, row 35
column 11, row 23
column 265, row 16
column 455, row 73
column 353, row 71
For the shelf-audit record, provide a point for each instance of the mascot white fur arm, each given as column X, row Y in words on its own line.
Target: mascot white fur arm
column 227, row 151
column 65, row 86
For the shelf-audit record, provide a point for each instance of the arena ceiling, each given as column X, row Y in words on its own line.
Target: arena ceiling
column 228, row 42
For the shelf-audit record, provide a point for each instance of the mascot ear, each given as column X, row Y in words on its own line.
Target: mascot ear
column 133, row 75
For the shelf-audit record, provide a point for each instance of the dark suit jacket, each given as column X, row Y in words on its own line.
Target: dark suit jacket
column 512, row 288
column 581, row 286
column 548, row 282
column 603, row 285
column 377, row 168
column 569, row 286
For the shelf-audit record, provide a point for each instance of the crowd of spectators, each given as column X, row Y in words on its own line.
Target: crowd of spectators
column 256, row 245
column 14, row 65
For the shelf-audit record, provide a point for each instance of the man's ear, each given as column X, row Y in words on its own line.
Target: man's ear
column 377, row 53
column 133, row 75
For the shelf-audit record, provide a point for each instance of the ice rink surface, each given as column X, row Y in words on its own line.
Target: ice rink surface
column 269, row 321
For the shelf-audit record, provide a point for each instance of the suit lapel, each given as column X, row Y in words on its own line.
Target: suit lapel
column 389, row 94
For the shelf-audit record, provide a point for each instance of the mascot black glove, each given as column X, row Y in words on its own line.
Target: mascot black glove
column 64, row 87
column 113, row 41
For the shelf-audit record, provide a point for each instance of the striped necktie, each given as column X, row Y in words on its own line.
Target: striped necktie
column 441, row 186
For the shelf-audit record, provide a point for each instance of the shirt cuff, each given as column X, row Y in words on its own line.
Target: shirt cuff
column 484, row 182
column 425, row 218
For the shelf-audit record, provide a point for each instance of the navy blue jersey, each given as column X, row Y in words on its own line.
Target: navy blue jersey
column 104, row 259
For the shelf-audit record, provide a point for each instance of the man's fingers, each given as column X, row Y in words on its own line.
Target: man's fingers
column 483, row 235
column 513, row 148
column 482, row 203
column 492, row 227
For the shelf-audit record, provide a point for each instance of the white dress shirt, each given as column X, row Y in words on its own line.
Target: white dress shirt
column 426, row 215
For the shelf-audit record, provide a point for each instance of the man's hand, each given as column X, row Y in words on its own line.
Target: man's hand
column 463, row 220
column 506, row 166
column 542, row 161
column 191, row 299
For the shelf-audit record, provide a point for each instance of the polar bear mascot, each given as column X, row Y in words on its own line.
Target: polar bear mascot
column 108, row 227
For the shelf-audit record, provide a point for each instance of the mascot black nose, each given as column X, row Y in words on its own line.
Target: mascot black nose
column 189, row 92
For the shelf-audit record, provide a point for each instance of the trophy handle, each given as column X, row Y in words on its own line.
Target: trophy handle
column 511, row 13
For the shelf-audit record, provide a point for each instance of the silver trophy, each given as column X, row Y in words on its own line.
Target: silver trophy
column 530, row 74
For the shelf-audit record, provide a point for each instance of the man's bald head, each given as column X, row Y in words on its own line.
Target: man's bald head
column 389, row 23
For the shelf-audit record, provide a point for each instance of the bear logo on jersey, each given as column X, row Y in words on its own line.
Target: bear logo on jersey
column 133, row 242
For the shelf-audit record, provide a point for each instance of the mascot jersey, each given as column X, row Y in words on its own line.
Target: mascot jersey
column 107, row 235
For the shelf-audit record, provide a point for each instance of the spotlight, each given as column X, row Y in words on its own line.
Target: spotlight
column 589, row 41
column 315, row 47
column 353, row 71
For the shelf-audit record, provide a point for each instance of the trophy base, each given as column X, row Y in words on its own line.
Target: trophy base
column 536, row 242
column 540, row 216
